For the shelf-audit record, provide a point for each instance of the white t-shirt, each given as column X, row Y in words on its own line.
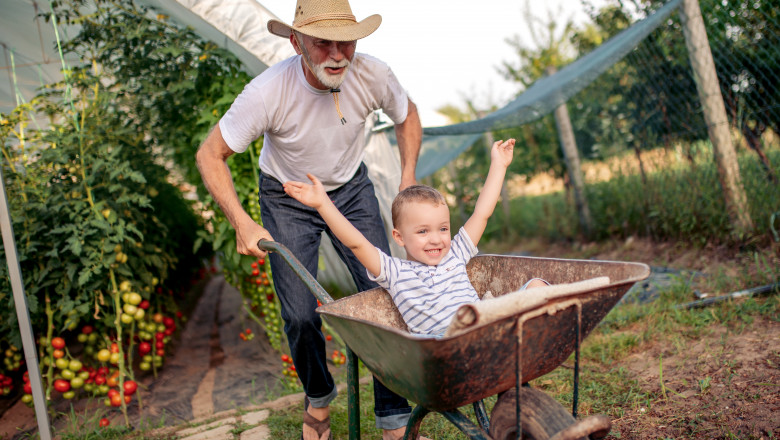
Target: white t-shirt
column 303, row 131
column 428, row 296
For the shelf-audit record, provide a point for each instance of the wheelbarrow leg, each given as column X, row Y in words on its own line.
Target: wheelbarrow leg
column 353, row 395
column 415, row 420
column 482, row 417
column 465, row 425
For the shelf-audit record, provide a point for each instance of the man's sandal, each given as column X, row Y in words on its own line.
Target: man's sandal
column 320, row 426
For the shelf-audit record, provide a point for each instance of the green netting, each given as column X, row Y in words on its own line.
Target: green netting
column 550, row 92
column 442, row 144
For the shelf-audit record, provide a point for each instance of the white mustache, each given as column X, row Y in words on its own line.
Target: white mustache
column 331, row 65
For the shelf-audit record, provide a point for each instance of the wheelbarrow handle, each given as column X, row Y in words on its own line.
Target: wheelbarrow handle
column 319, row 292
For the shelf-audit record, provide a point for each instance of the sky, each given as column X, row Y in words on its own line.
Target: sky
column 445, row 50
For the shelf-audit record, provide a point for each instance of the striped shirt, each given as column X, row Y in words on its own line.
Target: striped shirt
column 429, row 296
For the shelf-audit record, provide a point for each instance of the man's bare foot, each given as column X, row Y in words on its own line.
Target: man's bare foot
column 319, row 414
column 397, row 434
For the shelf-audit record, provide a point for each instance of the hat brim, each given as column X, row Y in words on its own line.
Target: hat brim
column 333, row 30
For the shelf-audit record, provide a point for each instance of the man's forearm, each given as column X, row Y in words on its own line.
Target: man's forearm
column 409, row 136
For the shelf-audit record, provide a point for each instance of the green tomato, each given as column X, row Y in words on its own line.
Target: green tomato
column 61, row 363
column 129, row 308
column 76, row 382
column 27, row 398
column 126, row 319
column 67, row 374
column 69, row 394
column 139, row 314
column 102, row 389
column 75, row 365
column 82, row 338
column 103, row 355
column 144, row 366
column 92, row 338
column 134, row 298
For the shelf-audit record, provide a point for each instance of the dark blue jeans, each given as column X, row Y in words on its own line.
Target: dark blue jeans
column 299, row 228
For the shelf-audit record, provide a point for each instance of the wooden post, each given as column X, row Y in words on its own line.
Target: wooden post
column 703, row 66
column 572, row 158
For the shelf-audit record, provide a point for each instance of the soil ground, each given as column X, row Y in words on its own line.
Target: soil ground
column 726, row 384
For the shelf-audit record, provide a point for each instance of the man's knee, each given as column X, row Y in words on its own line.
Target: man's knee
column 302, row 323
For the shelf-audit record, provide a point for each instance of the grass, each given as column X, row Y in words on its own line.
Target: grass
column 678, row 201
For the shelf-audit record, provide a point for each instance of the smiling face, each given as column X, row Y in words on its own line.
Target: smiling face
column 423, row 230
column 325, row 62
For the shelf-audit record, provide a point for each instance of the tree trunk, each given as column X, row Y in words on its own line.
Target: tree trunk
column 715, row 115
column 572, row 158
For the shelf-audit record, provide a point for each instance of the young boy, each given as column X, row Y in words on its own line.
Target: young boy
column 430, row 285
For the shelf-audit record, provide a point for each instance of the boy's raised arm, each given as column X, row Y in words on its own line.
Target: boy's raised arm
column 314, row 196
column 500, row 158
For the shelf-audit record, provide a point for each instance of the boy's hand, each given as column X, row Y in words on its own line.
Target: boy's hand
column 312, row 196
column 502, row 152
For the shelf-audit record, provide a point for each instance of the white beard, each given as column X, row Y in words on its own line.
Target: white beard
column 328, row 80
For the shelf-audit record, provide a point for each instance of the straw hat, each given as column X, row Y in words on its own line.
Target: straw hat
column 327, row 19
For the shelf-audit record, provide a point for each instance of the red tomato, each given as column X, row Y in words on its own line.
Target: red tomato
column 57, row 353
column 87, row 329
column 27, row 388
column 130, row 387
column 104, row 422
column 144, row 348
column 285, row 358
column 261, row 261
column 61, row 385
column 58, row 343
column 116, row 400
column 144, row 304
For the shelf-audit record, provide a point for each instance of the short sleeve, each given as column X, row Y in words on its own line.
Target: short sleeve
column 396, row 102
column 386, row 270
column 462, row 246
column 246, row 120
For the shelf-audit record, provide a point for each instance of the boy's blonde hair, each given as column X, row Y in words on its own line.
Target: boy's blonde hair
column 415, row 193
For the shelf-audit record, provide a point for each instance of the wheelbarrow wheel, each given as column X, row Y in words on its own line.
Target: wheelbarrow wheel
column 542, row 418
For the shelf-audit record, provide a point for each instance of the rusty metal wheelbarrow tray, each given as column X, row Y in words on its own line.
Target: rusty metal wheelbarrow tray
column 443, row 374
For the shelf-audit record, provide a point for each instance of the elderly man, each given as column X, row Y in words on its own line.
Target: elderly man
column 312, row 109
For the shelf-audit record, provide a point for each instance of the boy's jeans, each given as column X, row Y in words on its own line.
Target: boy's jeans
column 298, row 227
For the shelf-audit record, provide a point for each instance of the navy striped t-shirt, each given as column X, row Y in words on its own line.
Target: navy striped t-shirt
column 429, row 296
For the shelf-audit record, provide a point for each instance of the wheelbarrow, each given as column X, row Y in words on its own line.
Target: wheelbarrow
column 497, row 356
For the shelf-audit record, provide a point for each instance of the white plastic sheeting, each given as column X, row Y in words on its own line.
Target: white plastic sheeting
column 29, row 57
column 236, row 25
